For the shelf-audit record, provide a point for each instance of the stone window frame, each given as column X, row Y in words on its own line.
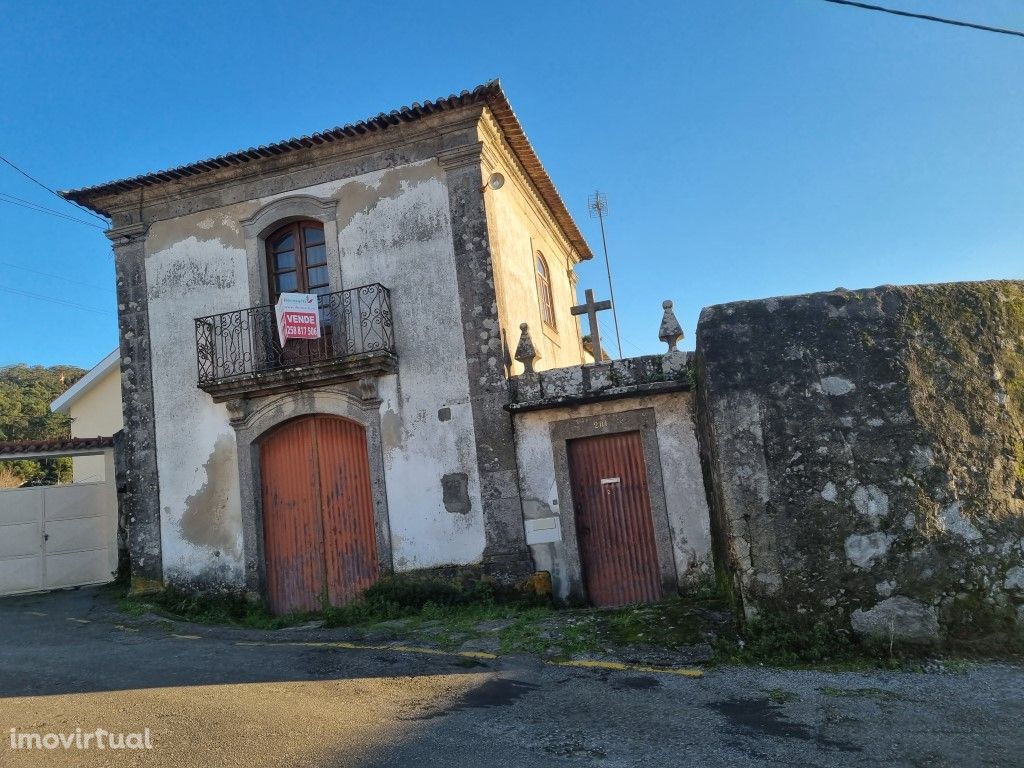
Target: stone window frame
column 644, row 421
column 253, row 420
column 274, row 215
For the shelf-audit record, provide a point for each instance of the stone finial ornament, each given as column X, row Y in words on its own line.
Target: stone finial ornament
column 525, row 352
column 670, row 331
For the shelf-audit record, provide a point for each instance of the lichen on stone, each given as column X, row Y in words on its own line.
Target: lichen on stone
column 965, row 345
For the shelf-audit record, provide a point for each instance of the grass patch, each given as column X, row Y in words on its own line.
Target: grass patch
column 404, row 597
column 447, row 615
column 425, row 611
column 776, row 641
column 773, row 641
column 672, row 624
column 224, row 609
column 782, row 696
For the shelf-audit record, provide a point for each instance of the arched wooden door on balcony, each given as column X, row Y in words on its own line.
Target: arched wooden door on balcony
column 318, row 523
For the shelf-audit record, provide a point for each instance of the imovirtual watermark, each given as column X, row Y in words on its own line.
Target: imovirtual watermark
column 79, row 739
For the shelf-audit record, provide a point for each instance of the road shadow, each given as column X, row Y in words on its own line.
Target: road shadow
column 75, row 641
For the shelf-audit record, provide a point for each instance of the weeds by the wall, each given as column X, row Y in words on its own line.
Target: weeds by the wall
column 230, row 609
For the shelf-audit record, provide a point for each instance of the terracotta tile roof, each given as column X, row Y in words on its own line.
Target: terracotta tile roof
column 490, row 94
column 56, row 446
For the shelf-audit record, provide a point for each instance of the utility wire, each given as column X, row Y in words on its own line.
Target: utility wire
column 52, row 191
column 927, row 17
column 52, row 276
column 43, row 209
column 52, row 300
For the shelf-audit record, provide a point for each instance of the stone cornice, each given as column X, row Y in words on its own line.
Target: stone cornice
column 459, row 157
column 127, row 233
column 329, row 162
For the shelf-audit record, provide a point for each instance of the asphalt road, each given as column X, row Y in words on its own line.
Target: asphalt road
column 216, row 697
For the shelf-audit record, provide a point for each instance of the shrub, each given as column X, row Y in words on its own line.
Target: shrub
column 207, row 608
column 775, row 639
column 413, row 592
column 402, row 596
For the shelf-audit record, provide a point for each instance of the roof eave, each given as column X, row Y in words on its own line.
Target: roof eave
column 490, row 94
column 63, row 403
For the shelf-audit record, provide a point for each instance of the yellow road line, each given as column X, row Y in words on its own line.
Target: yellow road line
column 346, row 646
column 620, row 667
column 80, row 621
column 616, row 666
column 186, row 637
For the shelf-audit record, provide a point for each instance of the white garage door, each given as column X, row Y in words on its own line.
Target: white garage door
column 57, row 536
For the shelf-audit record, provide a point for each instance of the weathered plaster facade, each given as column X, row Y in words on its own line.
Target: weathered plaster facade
column 519, row 228
column 651, row 395
column 402, row 205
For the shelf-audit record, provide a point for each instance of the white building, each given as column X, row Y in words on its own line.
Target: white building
column 302, row 471
column 94, row 405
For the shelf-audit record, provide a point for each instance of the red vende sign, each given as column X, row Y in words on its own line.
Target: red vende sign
column 301, row 325
column 298, row 316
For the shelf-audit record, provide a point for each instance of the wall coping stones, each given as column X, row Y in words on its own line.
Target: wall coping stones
column 628, row 377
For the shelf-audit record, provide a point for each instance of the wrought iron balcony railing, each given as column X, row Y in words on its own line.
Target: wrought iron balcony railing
column 238, row 353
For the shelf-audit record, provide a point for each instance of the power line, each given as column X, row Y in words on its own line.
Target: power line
column 926, row 17
column 52, row 276
column 43, row 209
column 52, row 300
column 52, row 191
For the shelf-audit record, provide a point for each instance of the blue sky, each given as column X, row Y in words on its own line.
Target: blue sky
column 748, row 148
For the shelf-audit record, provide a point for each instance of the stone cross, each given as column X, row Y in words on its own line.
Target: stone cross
column 590, row 308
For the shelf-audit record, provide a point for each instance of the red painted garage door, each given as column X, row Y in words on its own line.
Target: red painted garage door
column 318, row 526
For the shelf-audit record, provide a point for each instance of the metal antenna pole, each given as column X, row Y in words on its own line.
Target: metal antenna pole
column 598, row 204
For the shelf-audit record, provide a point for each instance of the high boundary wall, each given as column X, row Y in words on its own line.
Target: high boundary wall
column 864, row 453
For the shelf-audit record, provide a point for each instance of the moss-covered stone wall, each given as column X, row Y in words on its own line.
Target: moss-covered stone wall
column 864, row 452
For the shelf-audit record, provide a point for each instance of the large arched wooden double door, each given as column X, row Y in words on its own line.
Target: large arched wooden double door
column 318, row 524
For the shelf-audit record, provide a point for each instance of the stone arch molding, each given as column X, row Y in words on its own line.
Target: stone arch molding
column 276, row 214
column 254, row 420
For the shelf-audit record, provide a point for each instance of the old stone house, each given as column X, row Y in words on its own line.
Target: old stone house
column 399, row 439
column 861, row 450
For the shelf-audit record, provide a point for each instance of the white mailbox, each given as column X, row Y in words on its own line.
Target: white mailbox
column 543, row 530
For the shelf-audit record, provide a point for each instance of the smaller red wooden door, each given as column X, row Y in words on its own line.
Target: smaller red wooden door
column 318, row 526
column 614, row 528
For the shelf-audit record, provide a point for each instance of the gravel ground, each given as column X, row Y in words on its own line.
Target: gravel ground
column 214, row 696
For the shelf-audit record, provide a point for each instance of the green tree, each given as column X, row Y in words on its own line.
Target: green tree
column 25, row 396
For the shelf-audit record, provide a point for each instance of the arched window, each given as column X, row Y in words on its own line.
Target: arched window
column 297, row 259
column 547, row 304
